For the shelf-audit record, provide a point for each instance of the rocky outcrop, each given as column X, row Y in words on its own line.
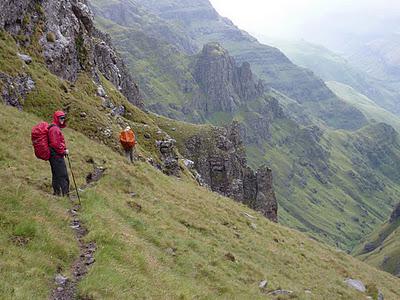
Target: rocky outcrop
column 68, row 40
column 169, row 157
column 15, row 89
column 221, row 161
column 256, row 129
column 225, row 85
column 113, row 68
column 395, row 215
column 265, row 200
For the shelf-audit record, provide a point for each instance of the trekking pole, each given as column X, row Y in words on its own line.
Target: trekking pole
column 73, row 178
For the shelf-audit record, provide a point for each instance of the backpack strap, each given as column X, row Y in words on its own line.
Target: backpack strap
column 52, row 151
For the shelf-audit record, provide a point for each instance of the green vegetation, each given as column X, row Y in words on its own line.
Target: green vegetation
column 381, row 249
column 158, row 66
column 312, row 175
column 174, row 247
column 370, row 109
column 82, row 51
column 51, row 37
column 184, row 242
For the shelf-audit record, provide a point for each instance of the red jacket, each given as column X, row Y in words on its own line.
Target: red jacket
column 56, row 138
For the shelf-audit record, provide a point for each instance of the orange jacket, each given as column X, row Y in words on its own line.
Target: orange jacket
column 127, row 139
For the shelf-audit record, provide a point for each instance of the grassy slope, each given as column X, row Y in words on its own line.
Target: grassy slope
column 332, row 212
column 386, row 256
column 369, row 108
column 132, row 261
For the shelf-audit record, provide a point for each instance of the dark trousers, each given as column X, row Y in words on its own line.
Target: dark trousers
column 129, row 155
column 60, row 180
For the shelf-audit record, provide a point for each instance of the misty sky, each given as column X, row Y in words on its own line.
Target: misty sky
column 312, row 20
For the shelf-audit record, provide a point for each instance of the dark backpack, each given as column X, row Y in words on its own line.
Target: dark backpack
column 40, row 140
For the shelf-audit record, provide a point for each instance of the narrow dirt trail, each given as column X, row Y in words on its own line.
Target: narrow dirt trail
column 66, row 288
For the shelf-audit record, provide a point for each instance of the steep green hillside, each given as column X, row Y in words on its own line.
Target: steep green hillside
column 324, row 178
column 381, row 248
column 336, row 184
column 172, row 240
column 156, row 52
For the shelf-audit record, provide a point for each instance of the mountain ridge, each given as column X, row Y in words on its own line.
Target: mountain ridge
column 331, row 66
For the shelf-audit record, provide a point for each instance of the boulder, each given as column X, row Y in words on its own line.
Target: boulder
column 101, row 92
column 263, row 284
column 356, row 284
column 26, row 58
column 60, row 279
column 395, row 215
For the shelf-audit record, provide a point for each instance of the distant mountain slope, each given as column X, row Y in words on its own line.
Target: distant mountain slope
column 204, row 24
column 380, row 58
column 201, row 20
column 351, row 71
column 369, row 108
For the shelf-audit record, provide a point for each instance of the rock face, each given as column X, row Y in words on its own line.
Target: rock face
column 395, row 215
column 265, row 201
column 70, row 43
column 224, row 84
column 169, row 157
column 113, row 68
column 15, row 89
column 220, row 160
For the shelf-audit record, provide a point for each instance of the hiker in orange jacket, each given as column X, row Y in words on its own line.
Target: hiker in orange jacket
column 58, row 150
column 128, row 142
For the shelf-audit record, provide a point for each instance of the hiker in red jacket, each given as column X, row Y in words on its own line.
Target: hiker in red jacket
column 58, row 150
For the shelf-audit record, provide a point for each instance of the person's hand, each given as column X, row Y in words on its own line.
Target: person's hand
column 66, row 152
